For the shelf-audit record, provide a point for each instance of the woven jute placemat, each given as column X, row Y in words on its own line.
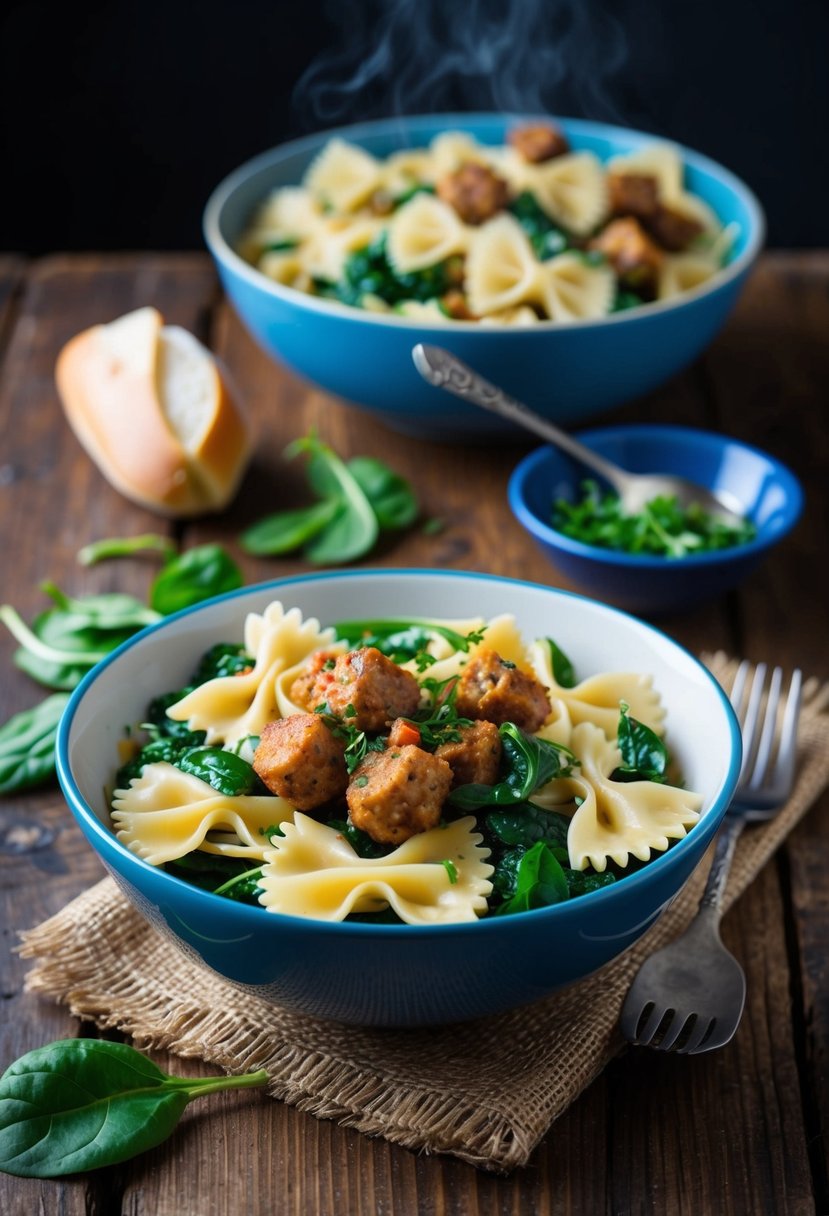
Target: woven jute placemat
column 485, row 1091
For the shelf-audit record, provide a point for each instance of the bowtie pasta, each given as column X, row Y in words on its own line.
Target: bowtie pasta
column 504, row 235
column 415, row 771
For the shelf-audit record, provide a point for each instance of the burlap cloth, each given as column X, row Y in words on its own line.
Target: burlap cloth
column 484, row 1091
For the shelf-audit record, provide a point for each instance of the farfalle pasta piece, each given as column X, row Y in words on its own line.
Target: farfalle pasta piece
column 597, row 699
column 501, row 268
column 574, row 291
column 291, row 213
column 571, row 189
column 523, row 315
column 343, row 176
column 423, row 232
column 617, row 819
column 165, row 814
column 404, row 170
column 229, row 708
column 313, row 871
column 326, row 250
column 450, row 150
column 683, row 272
column 286, row 268
column 428, row 311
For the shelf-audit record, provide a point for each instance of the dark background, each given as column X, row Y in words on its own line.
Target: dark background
column 118, row 119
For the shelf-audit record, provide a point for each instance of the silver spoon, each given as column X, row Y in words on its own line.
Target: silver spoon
column 445, row 371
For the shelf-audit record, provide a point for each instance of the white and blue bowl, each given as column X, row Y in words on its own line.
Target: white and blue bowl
column 566, row 372
column 401, row 975
column 771, row 496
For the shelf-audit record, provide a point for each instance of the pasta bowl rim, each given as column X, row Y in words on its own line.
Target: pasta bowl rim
column 548, row 535
column 223, row 251
column 106, row 843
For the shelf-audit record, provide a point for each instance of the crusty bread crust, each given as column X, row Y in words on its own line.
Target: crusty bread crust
column 115, row 406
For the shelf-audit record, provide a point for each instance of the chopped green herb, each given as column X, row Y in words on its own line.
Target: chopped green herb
column 451, row 869
column 662, row 528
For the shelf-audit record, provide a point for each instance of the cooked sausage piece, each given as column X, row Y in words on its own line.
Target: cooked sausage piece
column 475, row 192
column 632, row 253
column 634, row 194
column 474, row 757
column 316, row 675
column 397, row 793
column 366, row 689
column 673, row 230
column 496, row 690
column 538, row 141
column 299, row 759
column 456, row 305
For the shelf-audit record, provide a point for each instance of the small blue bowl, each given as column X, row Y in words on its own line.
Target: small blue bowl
column 566, row 372
column 770, row 493
column 401, row 975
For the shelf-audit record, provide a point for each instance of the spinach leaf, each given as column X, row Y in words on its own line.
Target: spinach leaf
column 582, row 882
column 381, row 632
column 80, row 1104
column 644, row 755
column 160, row 726
column 244, row 888
column 67, row 640
column 525, row 824
column 207, row 870
column 391, row 495
column 563, row 672
column 540, row 881
column 126, row 546
column 353, row 529
column 288, row 530
column 164, row 749
column 27, row 745
column 357, row 500
column 223, row 659
column 196, row 575
column 360, row 841
column 528, row 763
column 225, row 771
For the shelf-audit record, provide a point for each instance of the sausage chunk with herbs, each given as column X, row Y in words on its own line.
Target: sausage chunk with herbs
column 632, row 254
column 365, row 689
column 474, row 757
column 396, row 793
column 673, row 230
column 299, row 759
column 538, row 142
column 496, row 690
column 306, row 688
column 475, row 192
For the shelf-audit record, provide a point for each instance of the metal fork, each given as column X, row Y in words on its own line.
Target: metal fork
column 689, row 996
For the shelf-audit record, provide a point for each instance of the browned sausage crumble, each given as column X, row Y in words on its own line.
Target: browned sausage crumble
column 475, row 192
column 397, row 793
column 475, row 756
column 538, row 142
column 632, row 254
column 364, row 687
column 495, row 689
column 300, row 760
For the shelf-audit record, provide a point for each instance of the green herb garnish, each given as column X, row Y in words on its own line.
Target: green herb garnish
column 662, row 529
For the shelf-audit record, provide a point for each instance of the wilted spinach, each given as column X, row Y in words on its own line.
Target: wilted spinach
column 80, row 1104
column 539, row 882
column 225, row 771
column 644, row 755
column 527, row 763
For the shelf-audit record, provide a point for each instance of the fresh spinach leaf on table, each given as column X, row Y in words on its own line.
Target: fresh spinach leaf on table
column 195, row 575
column 27, row 745
column 80, row 1104
column 358, row 499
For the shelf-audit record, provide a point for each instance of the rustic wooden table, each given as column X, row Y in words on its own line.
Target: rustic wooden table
column 745, row 1130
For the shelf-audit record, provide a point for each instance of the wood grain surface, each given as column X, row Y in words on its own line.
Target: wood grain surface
column 742, row 1131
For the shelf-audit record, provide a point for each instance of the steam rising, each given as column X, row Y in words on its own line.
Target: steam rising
column 400, row 57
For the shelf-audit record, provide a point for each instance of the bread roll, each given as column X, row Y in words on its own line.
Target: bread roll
column 151, row 408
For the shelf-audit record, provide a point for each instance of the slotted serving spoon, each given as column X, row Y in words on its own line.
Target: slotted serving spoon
column 443, row 370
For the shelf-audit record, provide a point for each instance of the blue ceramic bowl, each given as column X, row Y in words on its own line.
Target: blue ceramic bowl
column 770, row 493
column 400, row 974
column 566, row 372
